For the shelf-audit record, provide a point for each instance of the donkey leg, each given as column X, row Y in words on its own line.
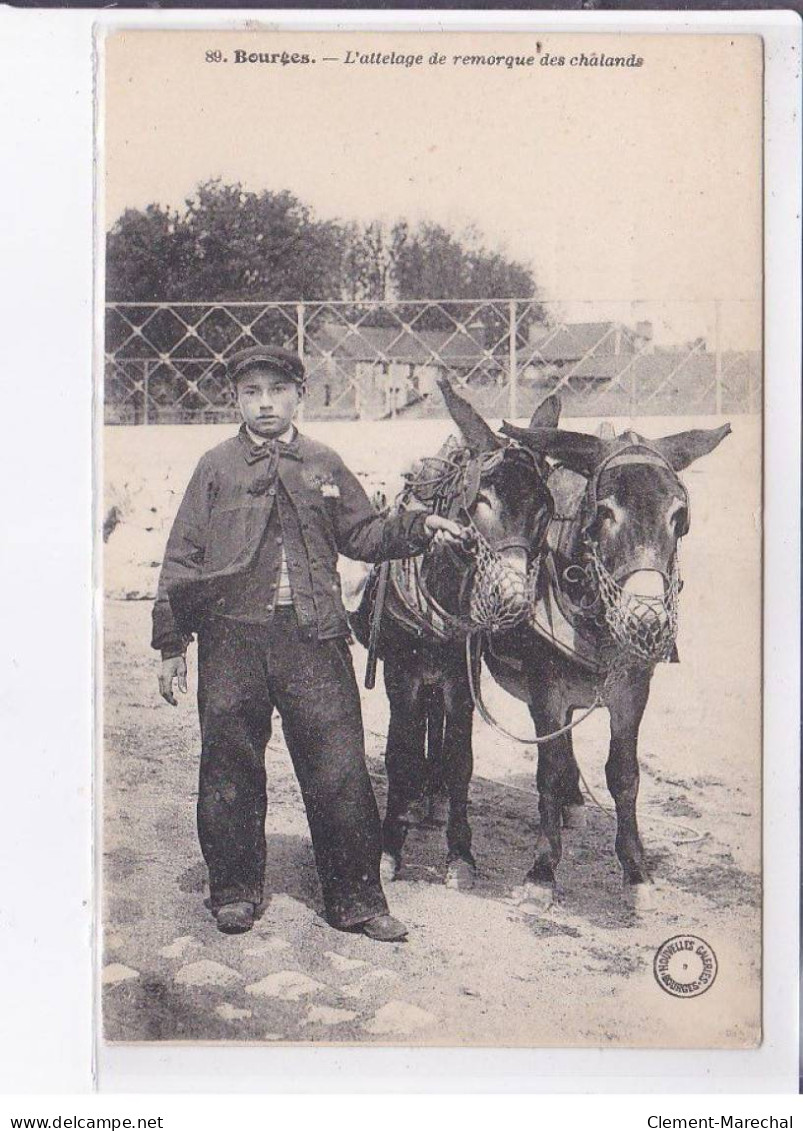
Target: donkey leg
column 537, row 892
column 539, row 883
column 404, row 758
column 459, row 767
column 574, row 810
column 622, row 774
column 437, row 798
column 549, row 712
column 401, row 757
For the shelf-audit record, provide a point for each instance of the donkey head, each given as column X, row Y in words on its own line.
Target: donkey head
column 635, row 508
column 508, row 501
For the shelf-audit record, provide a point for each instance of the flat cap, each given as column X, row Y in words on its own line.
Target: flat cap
column 282, row 361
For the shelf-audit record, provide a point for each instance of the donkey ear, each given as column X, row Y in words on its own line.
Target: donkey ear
column 685, row 447
column 575, row 450
column 479, row 435
column 547, row 414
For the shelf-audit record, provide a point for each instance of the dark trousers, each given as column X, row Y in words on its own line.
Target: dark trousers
column 244, row 672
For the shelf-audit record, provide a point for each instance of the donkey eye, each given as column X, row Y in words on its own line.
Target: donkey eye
column 483, row 498
column 680, row 521
column 605, row 513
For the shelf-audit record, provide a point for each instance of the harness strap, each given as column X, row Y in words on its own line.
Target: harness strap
column 454, row 625
column 633, row 453
column 555, row 619
column 413, row 607
column 474, row 673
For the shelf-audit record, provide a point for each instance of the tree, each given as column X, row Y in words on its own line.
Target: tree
column 227, row 245
column 433, row 263
column 232, row 245
column 144, row 256
column 370, row 263
column 259, row 246
column 430, row 262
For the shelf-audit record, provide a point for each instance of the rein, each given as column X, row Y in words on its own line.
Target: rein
column 474, row 672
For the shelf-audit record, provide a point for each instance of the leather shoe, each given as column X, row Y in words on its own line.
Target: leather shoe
column 384, row 928
column 235, row 918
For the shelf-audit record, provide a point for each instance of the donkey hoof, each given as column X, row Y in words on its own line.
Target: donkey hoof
column 460, row 875
column 534, row 899
column 574, row 816
column 641, row 897
column 389, row 868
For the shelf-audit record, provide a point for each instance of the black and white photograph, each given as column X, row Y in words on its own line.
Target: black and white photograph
column 432, row 387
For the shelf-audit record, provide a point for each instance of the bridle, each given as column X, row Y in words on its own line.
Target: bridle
column 498, row 596
column 643, row 629
column 641, row 454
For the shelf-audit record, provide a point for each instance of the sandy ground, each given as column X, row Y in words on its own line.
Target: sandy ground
column 475, row 970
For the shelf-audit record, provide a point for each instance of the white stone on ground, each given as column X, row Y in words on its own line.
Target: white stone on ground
column 399, row 1018
column 230, row 1012
column 179, row 947
column 325, row 1015
column 115, row 973
column 289, row 985
column 342, row 963
column 206, row 973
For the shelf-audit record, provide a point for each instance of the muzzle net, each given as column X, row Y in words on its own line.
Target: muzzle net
column 501, row 596
column 645, row 627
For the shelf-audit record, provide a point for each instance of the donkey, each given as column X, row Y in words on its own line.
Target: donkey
column 497, row 487
column 605, row 615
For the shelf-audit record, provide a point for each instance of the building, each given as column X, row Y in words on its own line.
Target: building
column 378, row 371
column 590, row 351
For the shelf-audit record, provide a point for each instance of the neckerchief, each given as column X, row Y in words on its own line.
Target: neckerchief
column 269, row 448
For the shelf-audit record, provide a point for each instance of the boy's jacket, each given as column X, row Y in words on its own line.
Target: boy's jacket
column 225, row 513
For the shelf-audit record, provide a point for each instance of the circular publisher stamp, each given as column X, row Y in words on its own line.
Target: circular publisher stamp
column 685, row 966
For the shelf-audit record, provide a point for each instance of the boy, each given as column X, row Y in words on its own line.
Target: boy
column 251, row 568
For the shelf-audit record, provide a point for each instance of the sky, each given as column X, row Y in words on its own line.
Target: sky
column 612, row 184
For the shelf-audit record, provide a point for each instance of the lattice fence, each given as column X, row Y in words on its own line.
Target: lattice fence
column 166, row 362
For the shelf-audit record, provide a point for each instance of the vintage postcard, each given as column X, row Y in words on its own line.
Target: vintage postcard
column 432, row 394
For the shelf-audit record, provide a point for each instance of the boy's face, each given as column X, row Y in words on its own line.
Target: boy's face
column 267, row 400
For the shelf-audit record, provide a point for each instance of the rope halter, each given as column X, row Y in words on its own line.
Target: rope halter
column 499, row 595
column 643, row 628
